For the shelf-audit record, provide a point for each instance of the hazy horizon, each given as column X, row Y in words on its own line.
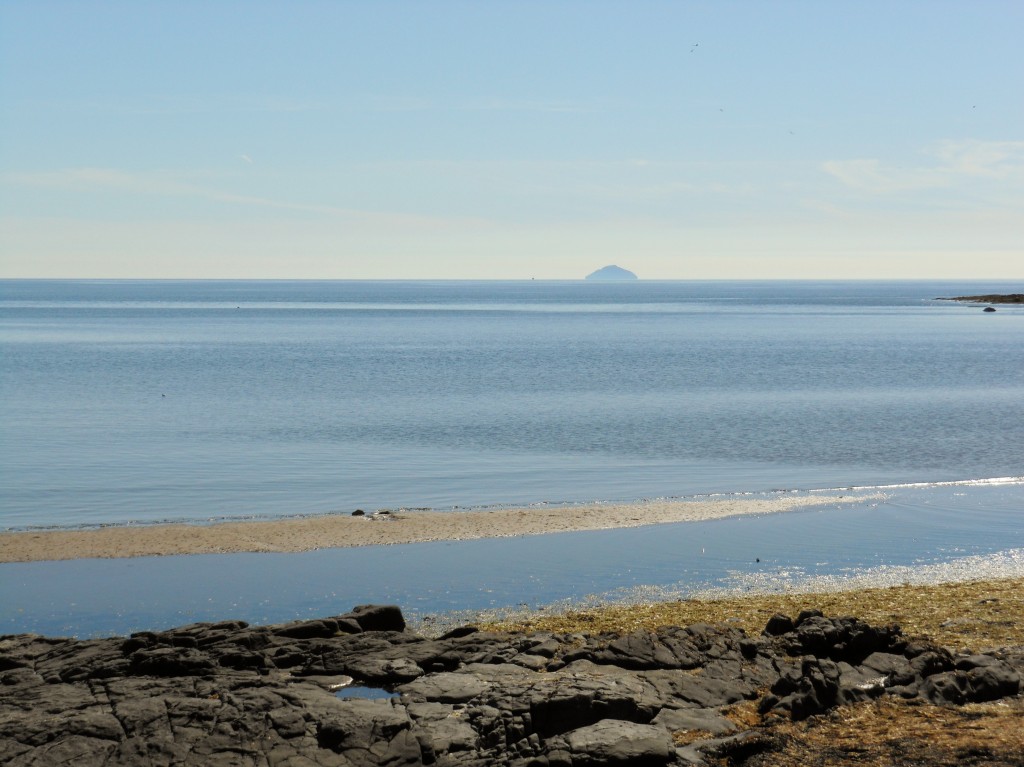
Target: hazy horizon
column 973, row 281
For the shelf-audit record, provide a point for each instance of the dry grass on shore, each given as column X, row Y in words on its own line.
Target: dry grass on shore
column 888, row 732
column 898, row 733
column 974, row 614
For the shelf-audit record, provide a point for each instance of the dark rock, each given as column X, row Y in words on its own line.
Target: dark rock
column 227, row 693
column 977, row 678
column 968, row 662
column 814, row 636
column 446, row 687
column 810, row 690
column 858, row 684
column 840, row 639
column 858, row 640
column 460, row 631
column 672, row 647
column 639, row 651
column 806, row 615
column 440, row 730
column 545, row 648
column 895, row 668
column 171, row 661
column 251, row 639
column 70, row 661
column 779, row 624
column 530, row 661
column 992, row 682
column 732, row 749
column 945, row 687
column 243, row 659
column 138, row 642
column 913, row 649
column 368, row 733
column 933, row 661
column 748, row 648
column 585, row 696
column 383, row 671
column 308, row 629
column 688, row 719
column 288, row 657
column 699, row 689
column 613, row 742
column 378, row 617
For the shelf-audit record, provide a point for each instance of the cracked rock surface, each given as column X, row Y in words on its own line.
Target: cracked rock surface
column 295, row 694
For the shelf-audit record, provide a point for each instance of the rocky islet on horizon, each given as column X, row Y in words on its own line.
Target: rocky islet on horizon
column 229, row 693
column 611, row 273
column 996, row 298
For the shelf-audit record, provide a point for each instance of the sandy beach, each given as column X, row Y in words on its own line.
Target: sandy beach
column 332, row 531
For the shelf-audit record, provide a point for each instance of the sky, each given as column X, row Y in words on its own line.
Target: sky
column 512, row 140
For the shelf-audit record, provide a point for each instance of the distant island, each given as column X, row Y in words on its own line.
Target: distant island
column 1010, row 298
column 612, row 273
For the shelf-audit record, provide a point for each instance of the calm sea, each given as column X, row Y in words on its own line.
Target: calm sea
column 148, row 401
column 142, row 401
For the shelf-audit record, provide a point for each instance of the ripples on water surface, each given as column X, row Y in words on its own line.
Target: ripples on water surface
column 914, row 535
column 145, row 401
column 148, row 401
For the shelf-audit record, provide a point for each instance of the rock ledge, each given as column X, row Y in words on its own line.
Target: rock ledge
column 232, row 694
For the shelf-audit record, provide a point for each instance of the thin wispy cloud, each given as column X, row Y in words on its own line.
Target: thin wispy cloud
column 869, row 175
column 997, row 159
column 955, row 162
column 90, row 180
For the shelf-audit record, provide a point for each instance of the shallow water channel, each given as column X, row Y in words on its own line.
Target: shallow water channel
column 917, row 533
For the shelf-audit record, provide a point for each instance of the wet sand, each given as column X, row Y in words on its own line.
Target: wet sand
column 332, row 531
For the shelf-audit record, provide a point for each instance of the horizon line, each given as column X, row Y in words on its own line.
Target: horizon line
column 509, row 279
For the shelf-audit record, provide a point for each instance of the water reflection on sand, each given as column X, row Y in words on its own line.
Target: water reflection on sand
column 933, row 533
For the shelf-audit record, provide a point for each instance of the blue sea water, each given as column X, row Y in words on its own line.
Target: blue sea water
column 920, row 534
column 137, row 402
column 129, row 401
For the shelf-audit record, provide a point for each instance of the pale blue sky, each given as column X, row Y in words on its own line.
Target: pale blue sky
column 512, row 139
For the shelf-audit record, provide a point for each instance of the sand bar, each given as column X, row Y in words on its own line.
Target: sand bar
column 332, row 531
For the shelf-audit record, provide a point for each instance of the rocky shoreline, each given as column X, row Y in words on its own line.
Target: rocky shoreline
column 300, row 693
column 1009, row 298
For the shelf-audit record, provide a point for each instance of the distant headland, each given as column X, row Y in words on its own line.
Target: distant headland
column 612, row 273
column 1009, row 298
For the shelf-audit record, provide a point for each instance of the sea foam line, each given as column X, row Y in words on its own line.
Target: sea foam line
column 990, row 481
